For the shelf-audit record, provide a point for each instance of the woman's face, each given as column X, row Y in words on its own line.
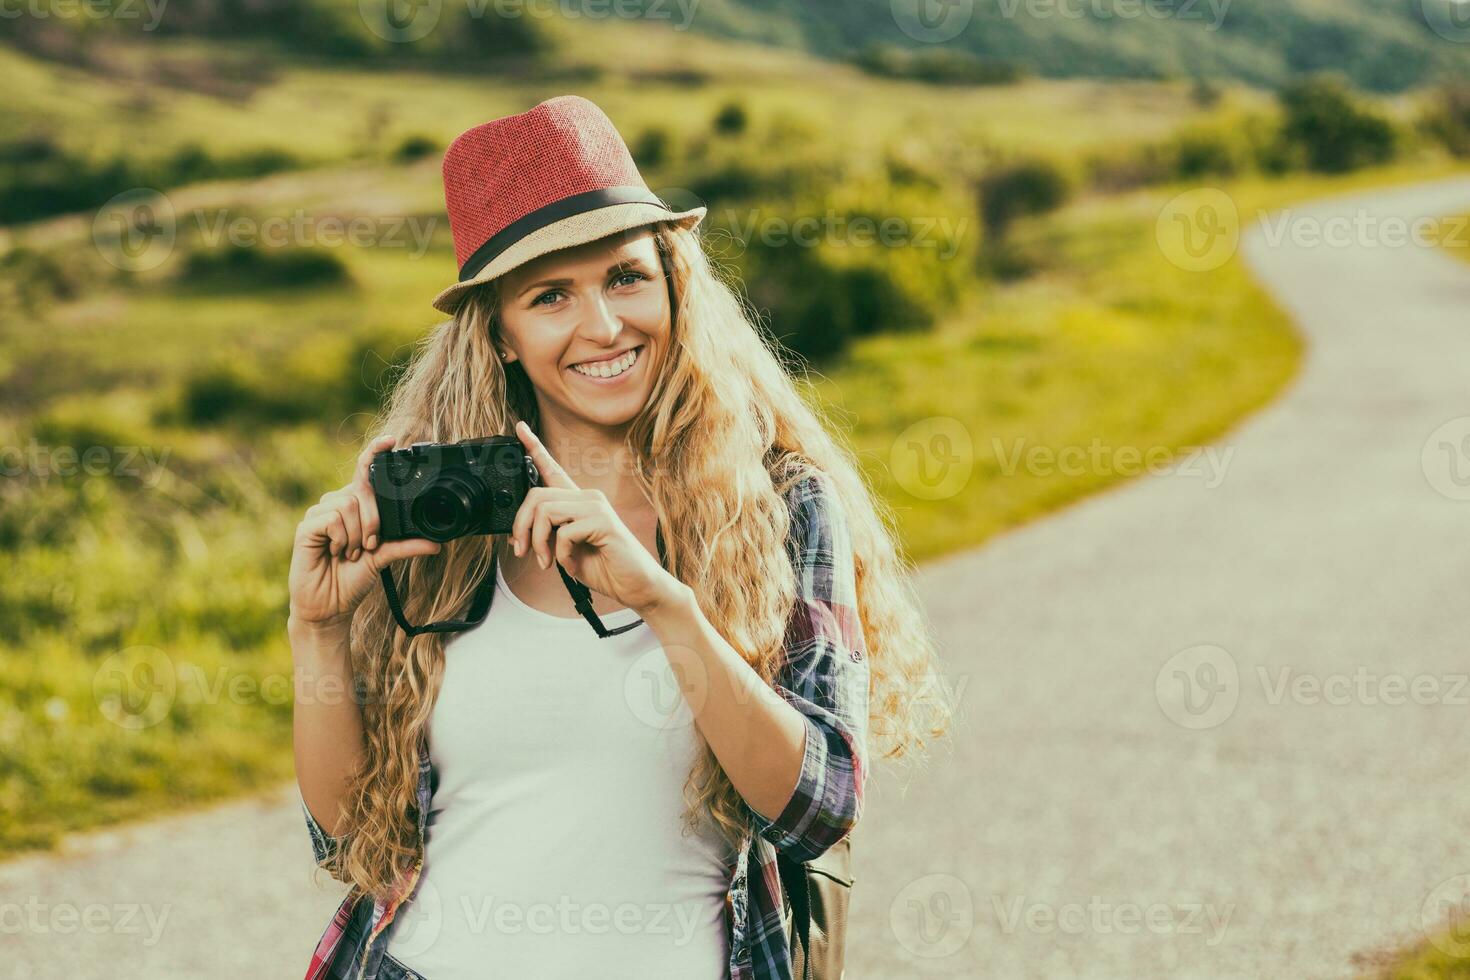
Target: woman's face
column 590, row 326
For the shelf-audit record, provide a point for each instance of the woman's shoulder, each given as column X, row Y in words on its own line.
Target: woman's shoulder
column 814, row 505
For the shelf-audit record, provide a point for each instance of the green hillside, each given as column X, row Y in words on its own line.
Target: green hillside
column 1381, row 45
column 1384, row 45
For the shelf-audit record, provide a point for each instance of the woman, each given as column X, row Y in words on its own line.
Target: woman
column 524, row 797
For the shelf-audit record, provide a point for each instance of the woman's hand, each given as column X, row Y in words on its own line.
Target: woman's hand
column 580, row 529
column 338, row 552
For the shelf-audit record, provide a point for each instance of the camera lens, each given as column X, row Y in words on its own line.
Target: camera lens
column 447, row 509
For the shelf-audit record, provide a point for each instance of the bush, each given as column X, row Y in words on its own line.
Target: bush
column 331, row 377
column 488, row 34
column 1334, row 134
column 191, row 163
column 731, row 120
column 936, row 66
column 1200, row 152
column 1449, row 119
column 39, row 178
column 821, row 293
column 239, row 267
column 38, row 278
column 1117, row 170
column 1019, row 190
column 651, row 147
column 415, row 148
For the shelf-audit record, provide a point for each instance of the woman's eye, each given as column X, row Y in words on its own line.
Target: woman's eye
column 555, row 294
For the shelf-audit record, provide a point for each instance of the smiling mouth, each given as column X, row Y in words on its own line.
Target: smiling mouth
column 611, row 368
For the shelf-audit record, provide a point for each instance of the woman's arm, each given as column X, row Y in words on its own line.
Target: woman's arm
column 327, row 723
column 336, row 559
column 798, row 751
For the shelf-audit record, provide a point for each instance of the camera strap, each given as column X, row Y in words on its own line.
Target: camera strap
column 582, row 596
column 485, row 592
column 479, row 606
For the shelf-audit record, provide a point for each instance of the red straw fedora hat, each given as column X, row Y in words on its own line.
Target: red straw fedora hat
column 554, row 176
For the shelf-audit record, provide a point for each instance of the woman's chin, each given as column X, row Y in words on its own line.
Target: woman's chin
column 609, row 410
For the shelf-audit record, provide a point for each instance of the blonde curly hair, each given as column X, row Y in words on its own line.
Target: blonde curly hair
column 724, row 436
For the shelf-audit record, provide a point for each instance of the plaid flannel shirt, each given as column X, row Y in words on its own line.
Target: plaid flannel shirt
column 824, row 675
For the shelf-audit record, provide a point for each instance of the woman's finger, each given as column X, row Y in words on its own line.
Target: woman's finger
column 552, row 475
column 360, row 478
column 392, row 551
column 362, row 487
column 367, row 509
column 520, row 527
column 369, row 451
column 337, row 534
column 567, row 536
column 549, row 514
column 351, row 521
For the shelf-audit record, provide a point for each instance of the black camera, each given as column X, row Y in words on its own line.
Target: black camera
column 443, row 491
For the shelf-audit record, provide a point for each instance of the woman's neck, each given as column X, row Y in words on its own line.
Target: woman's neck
column 596, row 458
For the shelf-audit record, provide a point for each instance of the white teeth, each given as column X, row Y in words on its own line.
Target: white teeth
column 607, row 369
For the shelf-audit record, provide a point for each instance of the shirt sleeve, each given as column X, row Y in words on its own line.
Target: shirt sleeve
column 324, row 847
column 824, row 676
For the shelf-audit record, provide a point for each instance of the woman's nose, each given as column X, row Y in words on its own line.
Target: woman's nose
column 603, row 324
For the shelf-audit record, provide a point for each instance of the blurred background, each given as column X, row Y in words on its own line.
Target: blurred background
column 982, row 228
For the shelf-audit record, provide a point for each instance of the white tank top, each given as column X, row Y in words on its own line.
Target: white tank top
column 554, row 846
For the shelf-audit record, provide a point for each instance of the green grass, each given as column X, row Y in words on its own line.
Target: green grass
column 327, row 113
column 1453, row 235
column 173, row 578
column 1110, row 341
column 1446, row 957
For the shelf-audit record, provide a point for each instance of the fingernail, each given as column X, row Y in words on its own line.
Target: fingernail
column 542, row 561
column 515, row 546
column 356, row 554
column 372, row 541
